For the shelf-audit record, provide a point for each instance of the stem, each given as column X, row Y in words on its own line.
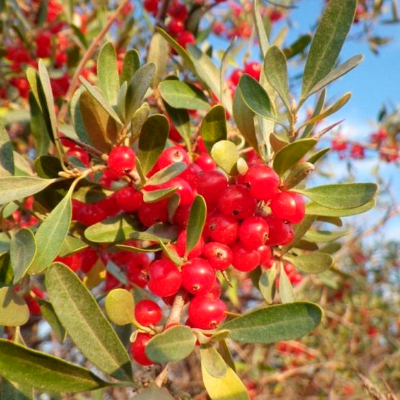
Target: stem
column 88, row 148
column 176, row 310
column 86, row 57
column 162, row 376
column 162, row 12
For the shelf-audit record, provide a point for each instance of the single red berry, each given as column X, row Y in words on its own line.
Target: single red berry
column 178, row 11
column 218, row 255
column 253, row 68
column 243, row 259
column 237, row 202
column 216, row 290
column 210, row 185
column 198, row 277
column 147, row 312
column 151, row 5
column 121, row 160
column 138, row 349
column 152, row 213
column 164, row 278
column 90, row 214
column 73, row 261
column 280, row 232
column 191, row 175
column 80, row 154
column 235, row 76
column 184, row 190
column 262, row 181
column 253, row 232
column 181, row 246
column 184, row 38
column 175, row 26
column 181, row 217
column 205, row 162
column 206, row 311
column 265, row 254
column 136, row 277
column 288, row 206
column 172, row 155
column 129, row 199
column 109, row 206
column 222, row 229
column 89, row 257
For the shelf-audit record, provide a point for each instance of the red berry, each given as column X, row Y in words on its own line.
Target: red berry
column 175, row 26
column 216, row 290
column 205, row 162
column 90, row 214
column 210, row 185
column 265, row 254
column 237, row 202
column 191, row 175
column 138, row 349
column 73, row 261
column 152, row 213
column 253, row 69
column 172, row 155
column 288, row 206
column 280, row 232
column 262, row 182
column 235, row 76
column 89, row 257
column 218, row 255
column 222, row 229
column 121, row 160
column 186, row 193
column 206, row 311
column 164, row 278
column 243, row 259
column 178, row 11
column 198, row 277
column 150, row 5
column 181, row 217
column 129, row 199
column 253, row 232
column 181, row 246
column 80, row 154
column 184, row 38
column 147, row 312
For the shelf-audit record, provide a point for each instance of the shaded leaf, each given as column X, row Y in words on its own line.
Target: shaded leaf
column 286, row 292
column 22, row 252
column 213, row 127
column 71, row 245
column 14, row 311
column 266, row 285
column 107, row 73
column 50, row 315
column 197, row 218
column 130, row 65
column 213, row 361
column 6, row 153
column 318, row 155
column 167, row 173
column 313, row 263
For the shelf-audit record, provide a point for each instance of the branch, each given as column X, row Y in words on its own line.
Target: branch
column 176, row 310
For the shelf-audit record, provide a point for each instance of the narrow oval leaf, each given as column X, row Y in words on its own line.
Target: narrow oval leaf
column 152, row 140
column 51, row 317
column 286, row 292
column 228, row 387
column 267, row 285
column 225, row 154
column 275, row 323
column 130, row 65
column 171, row 254
column 213, row 361
column 156, row 195
column 71, row 245
column 51, row 235
column 336, row 73
column 89, row 329
column 18, row 187
column 167, row 173
column 183, row 95
column 313, row 263
column 316, row 209
column 107, row 73
column 181, row 121
column 327, row 43
column 139, row 118
column 120, row 307
column 275, row 70
column 137, row 88
column 213, row 127
column 299, row 231
column 291, row 154
column 318, row 155
column 6, row 153
column 115, row 229
column 13, row 309
column 174, row 344
column 197, row 218
column 22, row 252
column 317, row 110
column 15, row 391
column 36, row 369
column 324, row 236
column 159, row 55
column 341, row 196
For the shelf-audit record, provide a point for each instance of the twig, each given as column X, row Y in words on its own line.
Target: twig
column 162, row 376
column 176, row 310
column 86, row 57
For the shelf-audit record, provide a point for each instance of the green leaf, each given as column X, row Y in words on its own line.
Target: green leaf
column 50, row 315
column 324, row 236
column 4, row 242
column 318, row 155
column 183, row 95
column 76, row 116
column 275, row 70
column 181, row 121
column 260, row 28
column 173, row 344
column 130, row 65
column 290, row 155
column 137, row 88
column 38, row 128
column 286, row 292
column 36, row 369
column 299, row 231
column 297, row 47
column 341, row 196
column 120, row 307
column 152, row 140
column 22, row 252
column 6, row 272
column 115, row 229
column 228, row 387
column 98, row 96
column 154, row 392
column 6, row 153
column 297, row 174
column 14, row 311
column 277, row 142
column 197, row 218
column 316, row 209
column 167, row 173
column 155, row 196
column 256, row 98
column 327, row 43
column 51, row 235
column 139, row 118
column 107, row 73
column 331, row 110
column 48, row 167
column 275, row 323
column 225, row 154
column 267, row 285
column 213, row 127
column 158, row 232
column 336, row 73
column 213, row 361
column 71, row 245
column 159, row 55
column 331, row 220
column 171, row 254
column 14, row 391
column 18, row 187
column 313, row 263
column 317, row 110
column 81, row 316
column 244, row 119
